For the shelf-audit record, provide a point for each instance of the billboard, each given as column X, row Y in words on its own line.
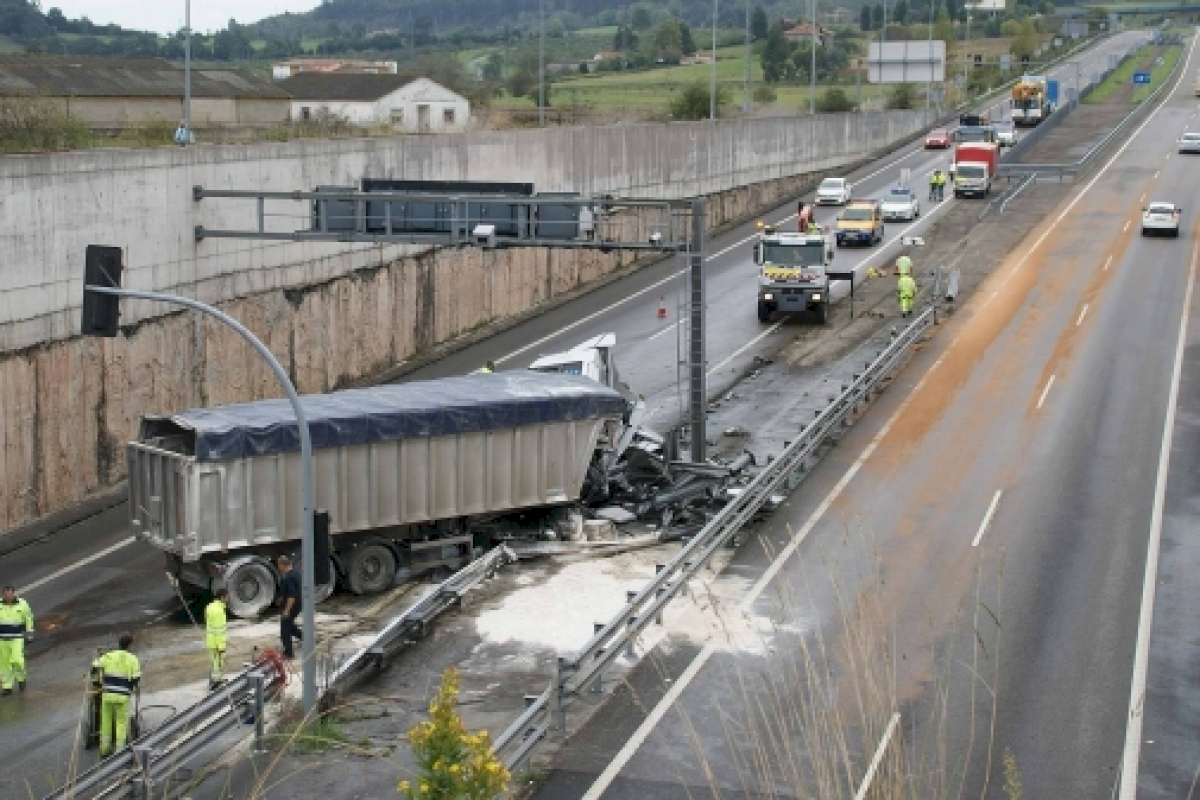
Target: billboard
column 907, row 62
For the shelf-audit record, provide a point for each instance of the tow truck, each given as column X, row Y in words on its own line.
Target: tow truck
column 792, row 273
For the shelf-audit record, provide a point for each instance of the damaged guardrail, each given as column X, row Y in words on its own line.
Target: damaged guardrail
column 149, row 766
column 412, row 625
column 575, row 674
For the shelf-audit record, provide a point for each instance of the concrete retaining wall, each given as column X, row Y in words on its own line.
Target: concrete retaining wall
column 53, row 206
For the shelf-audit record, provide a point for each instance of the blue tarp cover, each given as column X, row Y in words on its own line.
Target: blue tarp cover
column 395, row 411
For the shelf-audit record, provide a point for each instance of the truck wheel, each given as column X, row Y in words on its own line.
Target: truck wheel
column 251, row 587
column 764, row 312
column 821, row 313
column 371, row 569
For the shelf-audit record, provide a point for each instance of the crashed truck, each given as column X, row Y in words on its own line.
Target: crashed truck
column 415, row 476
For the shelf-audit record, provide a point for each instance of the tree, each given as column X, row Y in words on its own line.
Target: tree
column 943, row 28
column 902, row 95
column 520, row 83
column 583, row 68
column 864, row 18
column 877, row 17
column 452, row 763
column 692, row 102
column 640, row 18
column 689, row 43
column 900, row 12
column 666, row 43
column 1026, row 41
column 493, row 68
column 834, row 101
column 625, row 40
column 775, row 55
column 764, row 95
column 760, row 26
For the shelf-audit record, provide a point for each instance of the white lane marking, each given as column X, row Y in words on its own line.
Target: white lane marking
column 1155, row 175
column 83, row 562
column 1137, row 687
column 1046, row 391
column 665, row 330
column 1107, row 262
column 1128, row 222
column 1082, row 314
column 605, row 779
column 1143, row 198
column 865, row 786
column 746, row 346
column 987, row 518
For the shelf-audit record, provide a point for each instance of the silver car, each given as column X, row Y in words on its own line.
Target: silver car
column 900, row 203
column 1006, row 133
column 1161, row 218
column 1189, row 143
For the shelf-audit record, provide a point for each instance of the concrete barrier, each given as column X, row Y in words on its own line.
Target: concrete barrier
column 341, row 315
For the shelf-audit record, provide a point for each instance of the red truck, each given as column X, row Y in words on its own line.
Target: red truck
column 975, row 165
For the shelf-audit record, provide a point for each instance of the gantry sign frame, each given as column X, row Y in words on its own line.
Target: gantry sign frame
column 493, row 216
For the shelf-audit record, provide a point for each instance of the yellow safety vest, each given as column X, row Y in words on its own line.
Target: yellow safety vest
column 119, row 670
column 15, row 619
column 907, row 287
column 215, row 627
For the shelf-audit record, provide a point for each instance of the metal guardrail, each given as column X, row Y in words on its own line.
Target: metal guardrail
column 148, row 766
column 1014, row 171
column 575, row 674
column 411, row 625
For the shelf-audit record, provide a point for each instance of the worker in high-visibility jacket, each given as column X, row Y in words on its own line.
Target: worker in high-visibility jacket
column 215, row 636
column 16, row 628
column 120, row 676
column 906, row 288
column 904, row 265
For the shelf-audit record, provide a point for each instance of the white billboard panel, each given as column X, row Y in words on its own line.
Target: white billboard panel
column 907, row 62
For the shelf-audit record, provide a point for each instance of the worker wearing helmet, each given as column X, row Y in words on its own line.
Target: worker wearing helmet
column 120, row 675
column 16, row 628
column 904, row 265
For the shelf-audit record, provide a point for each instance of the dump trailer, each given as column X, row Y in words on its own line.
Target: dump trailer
column 406, row 471
column 1031, row 101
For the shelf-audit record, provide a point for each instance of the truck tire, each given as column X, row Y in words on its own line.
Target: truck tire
column 252, row 588
column 371, row 568
column 764, row 312
column 821, row 313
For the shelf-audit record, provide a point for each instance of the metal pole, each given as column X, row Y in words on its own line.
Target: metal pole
column 712, row 72
column 187, row 69
column 542, row 64
column 307, row 571
column 929, row 53
column 746, row 104
column 967, row 57
column 812, row 68
column 696, row 355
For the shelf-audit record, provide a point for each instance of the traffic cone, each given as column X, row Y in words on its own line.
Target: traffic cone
column 662, row 307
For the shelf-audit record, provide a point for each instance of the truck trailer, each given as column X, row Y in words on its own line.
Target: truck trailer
column 407, row 472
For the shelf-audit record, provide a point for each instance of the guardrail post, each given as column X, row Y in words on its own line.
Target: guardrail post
column 558, row 709
column 524, row 764
column 629, row 650
column 257, row 681
column 142, row 786
column 597, row 687
column 658, row 619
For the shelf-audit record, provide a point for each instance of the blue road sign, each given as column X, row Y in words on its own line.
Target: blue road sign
column 1141, row 77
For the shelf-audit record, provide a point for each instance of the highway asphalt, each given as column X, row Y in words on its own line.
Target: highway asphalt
column 87, row 584
column 971, row 560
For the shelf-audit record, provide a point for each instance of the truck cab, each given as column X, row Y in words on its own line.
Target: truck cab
column 792, row 274
column 975, row 166
column 591, row 359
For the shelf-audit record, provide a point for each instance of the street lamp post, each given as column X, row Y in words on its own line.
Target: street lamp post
column 812, row 66
column 307, row 548
column 542, row 63
column 712, row 72
column 746, row 106
column 187, row 70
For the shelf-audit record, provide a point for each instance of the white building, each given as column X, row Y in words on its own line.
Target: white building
column 414, row 105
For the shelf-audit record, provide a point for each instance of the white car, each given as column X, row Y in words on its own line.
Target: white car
column 1161, row 218
column 901, row 204
column 833, row 192
column 1006, row 133
column 1189, row 143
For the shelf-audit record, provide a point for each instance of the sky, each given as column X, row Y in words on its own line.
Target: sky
column 166, row 16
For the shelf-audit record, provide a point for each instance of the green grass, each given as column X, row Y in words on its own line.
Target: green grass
column 1169, row 58
column 1121, row 77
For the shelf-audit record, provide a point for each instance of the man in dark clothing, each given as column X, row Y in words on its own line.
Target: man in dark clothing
column 290, row 588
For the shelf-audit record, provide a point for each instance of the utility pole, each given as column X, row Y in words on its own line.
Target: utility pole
column 746, row 104
column 187, row 69
column 542, row 63
column 812, row 67
column 929, row 55
column 966, row 55
column 712, row 79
